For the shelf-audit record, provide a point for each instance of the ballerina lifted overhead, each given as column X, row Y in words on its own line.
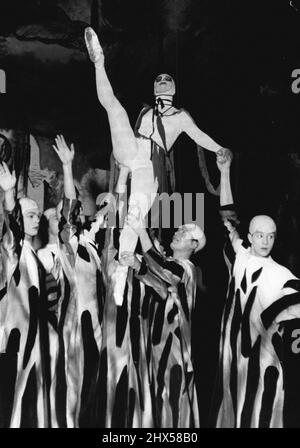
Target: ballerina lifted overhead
column 135, row 150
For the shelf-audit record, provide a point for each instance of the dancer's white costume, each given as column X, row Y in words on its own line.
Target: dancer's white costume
column 133, row 150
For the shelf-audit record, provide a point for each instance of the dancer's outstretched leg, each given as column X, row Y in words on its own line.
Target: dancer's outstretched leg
column 123, row 139
column 127, row 150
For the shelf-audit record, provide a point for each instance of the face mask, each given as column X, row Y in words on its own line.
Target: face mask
column 164, row 85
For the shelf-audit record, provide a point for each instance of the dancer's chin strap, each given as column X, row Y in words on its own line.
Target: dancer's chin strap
column 162, row 101
column 158, row 102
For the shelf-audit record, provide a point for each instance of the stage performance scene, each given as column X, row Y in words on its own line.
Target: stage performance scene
column 149, row 214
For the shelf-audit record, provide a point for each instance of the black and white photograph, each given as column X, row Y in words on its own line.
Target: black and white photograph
column 149, row 216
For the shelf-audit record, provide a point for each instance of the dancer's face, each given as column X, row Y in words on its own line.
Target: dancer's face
column 182, row 240
column 53, row 224
column 164, row 85
column 262, row 234
column 31, row 220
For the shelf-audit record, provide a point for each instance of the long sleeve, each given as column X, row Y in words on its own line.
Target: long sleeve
column 13, row 232
column 149, row 279
column 11, row 244
column 69, row 227
column 290, row 351
column 230, row 219
column 108, row 256
column 167, row 270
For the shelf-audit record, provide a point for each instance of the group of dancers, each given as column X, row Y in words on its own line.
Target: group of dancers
column 95, row 327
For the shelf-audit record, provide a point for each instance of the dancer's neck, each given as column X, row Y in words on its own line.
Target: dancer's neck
column 52, row 238
column 28, row 238
column 163, row 102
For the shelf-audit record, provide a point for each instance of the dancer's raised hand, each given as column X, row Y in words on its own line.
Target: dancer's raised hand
column 224, row 161
column 7, row 178
column 134, row 220
column 65, row 153
column 224, row 155
column 130, row 259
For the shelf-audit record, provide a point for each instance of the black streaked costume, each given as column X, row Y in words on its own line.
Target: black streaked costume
column 261, row 313
column 24, row 340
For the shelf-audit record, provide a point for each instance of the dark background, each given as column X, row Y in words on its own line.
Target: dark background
column 232, row 62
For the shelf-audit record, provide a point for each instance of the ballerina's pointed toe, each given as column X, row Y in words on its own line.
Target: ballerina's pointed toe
column 93, row 46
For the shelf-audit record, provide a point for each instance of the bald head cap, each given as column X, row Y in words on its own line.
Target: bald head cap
column 28, row 205
column 262, row 223
column 197, row 234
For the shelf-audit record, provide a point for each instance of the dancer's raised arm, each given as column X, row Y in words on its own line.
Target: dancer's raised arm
column 66, row 156
column 226, row 197
column 8, row 184
column 226, row 200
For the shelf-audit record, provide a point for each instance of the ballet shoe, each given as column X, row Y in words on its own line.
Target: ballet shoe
column 93, row 46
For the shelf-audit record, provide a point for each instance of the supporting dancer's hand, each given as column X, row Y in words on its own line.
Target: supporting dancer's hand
column 7, row 179
column 135, row 221
column 65, row 153
column 224, row 163
column 130, row 259
column 228, row 225
column 224, row 155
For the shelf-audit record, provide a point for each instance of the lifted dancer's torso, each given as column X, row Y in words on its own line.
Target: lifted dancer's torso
column 171, row 123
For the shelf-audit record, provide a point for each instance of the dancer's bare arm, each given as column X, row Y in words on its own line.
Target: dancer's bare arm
column 66, row 156
column 8, row 184
column 226, row 199
column 136, row 223
column 201, row 138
